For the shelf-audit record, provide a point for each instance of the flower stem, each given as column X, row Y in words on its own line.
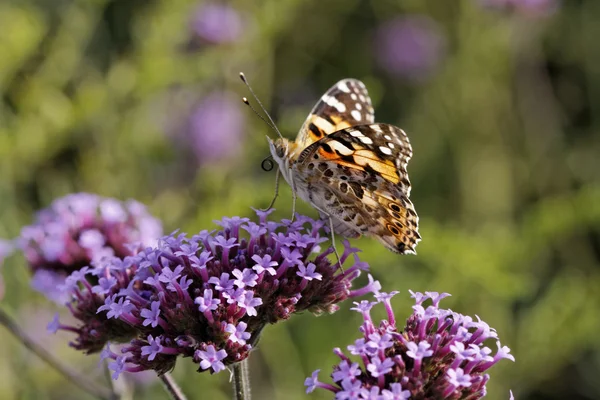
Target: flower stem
column 77, row 379
column 241, row 381
column 241, row 374
column 172, row 387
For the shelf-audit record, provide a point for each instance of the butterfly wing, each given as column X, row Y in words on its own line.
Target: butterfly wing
column 345, row 104
column 358, row 177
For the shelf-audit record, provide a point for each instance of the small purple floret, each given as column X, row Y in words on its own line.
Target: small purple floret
column 212, row 358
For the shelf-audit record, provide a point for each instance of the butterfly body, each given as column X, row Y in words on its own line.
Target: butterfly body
column 352, row 170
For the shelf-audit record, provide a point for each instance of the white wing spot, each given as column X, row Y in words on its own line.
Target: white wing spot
column 341, row 149
column 385, row 150
column 353, row 96
column 362, row 85
column 356, row 115
column 388, row 137
column 358, row 106
column 366, row 140
column 362, row 98
column 391, row 145
column 323, row 124
column 331, row 101
column 343, row 86
column 355, row 133
column 376, row 128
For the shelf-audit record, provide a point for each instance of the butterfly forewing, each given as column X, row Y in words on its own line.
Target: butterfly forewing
column 345, row 104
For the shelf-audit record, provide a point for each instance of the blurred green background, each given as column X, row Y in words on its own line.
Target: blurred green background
column 501, row 101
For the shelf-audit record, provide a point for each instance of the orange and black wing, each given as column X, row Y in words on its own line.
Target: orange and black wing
column 360, row 173
column 345, row 104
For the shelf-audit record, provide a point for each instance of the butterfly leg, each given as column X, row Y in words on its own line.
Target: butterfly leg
column 332, row 235
column 333, row 242
column 276, row 192
column 294, row 196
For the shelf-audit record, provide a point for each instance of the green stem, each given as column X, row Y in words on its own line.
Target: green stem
column 241, row 374
column 172, row 387
column 71, row 375
column 241, row 381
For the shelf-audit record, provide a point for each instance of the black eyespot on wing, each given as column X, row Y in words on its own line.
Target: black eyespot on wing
column 401, row 246
column 393, row 229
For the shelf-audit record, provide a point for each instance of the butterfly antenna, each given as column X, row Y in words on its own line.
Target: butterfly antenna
column 272, row 123
column 246, row 102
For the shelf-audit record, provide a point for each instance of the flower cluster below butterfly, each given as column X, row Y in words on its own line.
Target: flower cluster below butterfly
column 352, row 170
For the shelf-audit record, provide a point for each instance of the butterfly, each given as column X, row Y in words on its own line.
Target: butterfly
column 352, row 170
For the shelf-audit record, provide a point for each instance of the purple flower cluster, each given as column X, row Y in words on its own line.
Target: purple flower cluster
column 440, row 354
column 217, row 23
column 81, row 228
column 529, row 7
column 6, row 249
column 215, row 131
column 208, row 296
column 411, row 47
column 90, row 291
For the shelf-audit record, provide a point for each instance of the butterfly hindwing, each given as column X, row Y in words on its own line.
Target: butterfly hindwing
column 358, row 177
column 345, row 104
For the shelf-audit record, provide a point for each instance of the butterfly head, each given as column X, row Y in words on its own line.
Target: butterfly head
column 282, row 150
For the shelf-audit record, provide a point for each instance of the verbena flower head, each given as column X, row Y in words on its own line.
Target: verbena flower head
column 533, row 8
column 217, row 23
column 410, row 47
column 209, row 295
column 215, row 128
column 81, row 228
column 438, row 354
column 6, row 249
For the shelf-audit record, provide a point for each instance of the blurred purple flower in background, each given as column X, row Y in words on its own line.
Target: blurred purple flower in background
column 439, row 354
column 6, row 249
column 208, row 296
column 528, row 7
column 410, row 47
column 79, row 229
column 216, row 127
column 217, row 23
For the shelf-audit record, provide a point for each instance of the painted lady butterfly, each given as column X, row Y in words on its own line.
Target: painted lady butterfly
column 352, row 170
